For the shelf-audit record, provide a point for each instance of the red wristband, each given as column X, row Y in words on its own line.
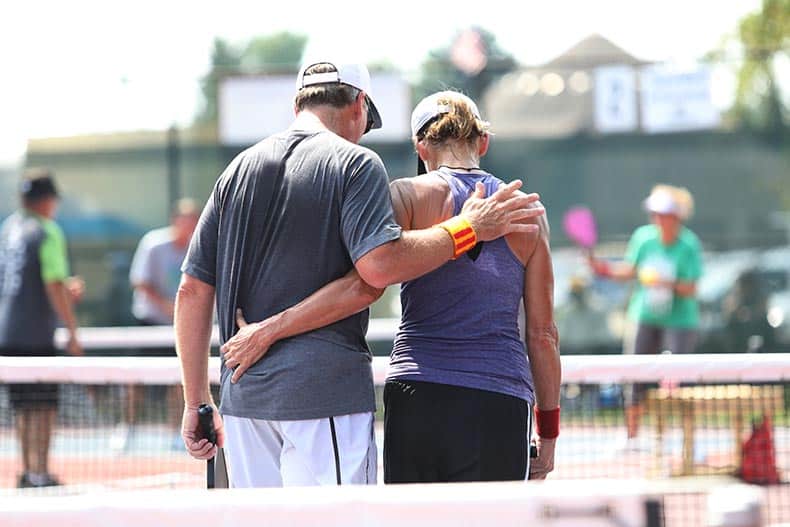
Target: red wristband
column 547, row 423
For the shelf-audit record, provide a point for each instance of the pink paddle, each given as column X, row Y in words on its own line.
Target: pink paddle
column 579, row 225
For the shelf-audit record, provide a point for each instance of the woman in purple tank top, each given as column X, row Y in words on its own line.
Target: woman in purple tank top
column 463, row 379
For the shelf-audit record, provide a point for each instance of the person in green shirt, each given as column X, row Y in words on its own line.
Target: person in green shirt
column 665, row 258
column 35, row 291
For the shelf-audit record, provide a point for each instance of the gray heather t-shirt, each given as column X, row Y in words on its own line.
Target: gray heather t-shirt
column 287, row 216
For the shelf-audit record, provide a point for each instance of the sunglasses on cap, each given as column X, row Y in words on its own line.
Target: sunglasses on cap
column 371, row 121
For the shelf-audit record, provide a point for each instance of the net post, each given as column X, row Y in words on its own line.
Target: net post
column 654, row 513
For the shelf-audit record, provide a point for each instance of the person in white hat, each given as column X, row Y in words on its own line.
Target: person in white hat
column 294, row 212
column 460, row 389
column 665, row 258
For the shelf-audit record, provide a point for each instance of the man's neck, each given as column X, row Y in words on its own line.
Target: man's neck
column 322, row 118
column 309, row 120
column 37, row 212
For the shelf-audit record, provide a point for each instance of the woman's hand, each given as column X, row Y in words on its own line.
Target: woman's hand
column 599, row 267
column 249, row 345
column 540, row 467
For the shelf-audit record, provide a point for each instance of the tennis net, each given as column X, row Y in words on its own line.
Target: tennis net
column 579, row 503
column 708, row 420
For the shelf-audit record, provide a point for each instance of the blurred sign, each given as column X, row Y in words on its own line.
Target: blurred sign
column 676, row 101
column 615, row 99
column 252, row 108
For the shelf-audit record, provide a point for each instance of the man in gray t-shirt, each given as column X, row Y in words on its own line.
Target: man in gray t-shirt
column 292, row 213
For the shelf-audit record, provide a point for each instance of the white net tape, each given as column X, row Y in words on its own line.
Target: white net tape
column 588, row 503
column 593, row 369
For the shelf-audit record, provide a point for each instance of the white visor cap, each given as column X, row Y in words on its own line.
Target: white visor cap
column 429, row 108
column 352, row 74
column 662, row 202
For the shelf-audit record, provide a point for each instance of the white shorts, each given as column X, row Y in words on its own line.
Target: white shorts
column 329, row 451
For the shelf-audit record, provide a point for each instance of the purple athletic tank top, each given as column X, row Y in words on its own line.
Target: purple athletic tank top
column 459, row 324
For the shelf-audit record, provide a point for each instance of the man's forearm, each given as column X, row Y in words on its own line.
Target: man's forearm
column 413, row 254
column 419, row 252
column 60, row 301
column 422, row 251
column 193, row 322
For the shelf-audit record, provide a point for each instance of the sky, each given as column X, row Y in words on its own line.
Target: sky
column 88, row 66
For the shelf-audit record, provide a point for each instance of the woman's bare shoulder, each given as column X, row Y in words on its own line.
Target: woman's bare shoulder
column 426, row 196
column 424, row 186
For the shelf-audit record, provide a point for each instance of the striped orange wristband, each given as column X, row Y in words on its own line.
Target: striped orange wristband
column 461, row 231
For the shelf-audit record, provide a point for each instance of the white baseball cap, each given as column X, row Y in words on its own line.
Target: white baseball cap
column 352, row 74
column 429, row 108
column 661, row 201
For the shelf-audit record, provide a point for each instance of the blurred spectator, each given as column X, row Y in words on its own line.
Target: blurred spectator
column 666, row 259
column 745, row 313
column 155, row 274
column 582, row 322
column 35, row 290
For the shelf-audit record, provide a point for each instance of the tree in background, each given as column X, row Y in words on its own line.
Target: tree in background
column 470, row 63
column 761, row 102
column 276, row 53
column 764, row 37
column 225, row 59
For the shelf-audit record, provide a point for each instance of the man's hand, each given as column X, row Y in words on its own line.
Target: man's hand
column 73, row 347
column 249, row 345
column 501, row 213
column 75, row 286
column 198, row 446
column 544, row 463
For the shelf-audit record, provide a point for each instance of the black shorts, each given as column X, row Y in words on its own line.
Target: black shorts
column 442, row 433
column 29, row 396
column 652, row 340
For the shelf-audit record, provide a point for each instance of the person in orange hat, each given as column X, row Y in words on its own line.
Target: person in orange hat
column 665, row 258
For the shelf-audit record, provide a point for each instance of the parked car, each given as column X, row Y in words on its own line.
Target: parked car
column 745, row 302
